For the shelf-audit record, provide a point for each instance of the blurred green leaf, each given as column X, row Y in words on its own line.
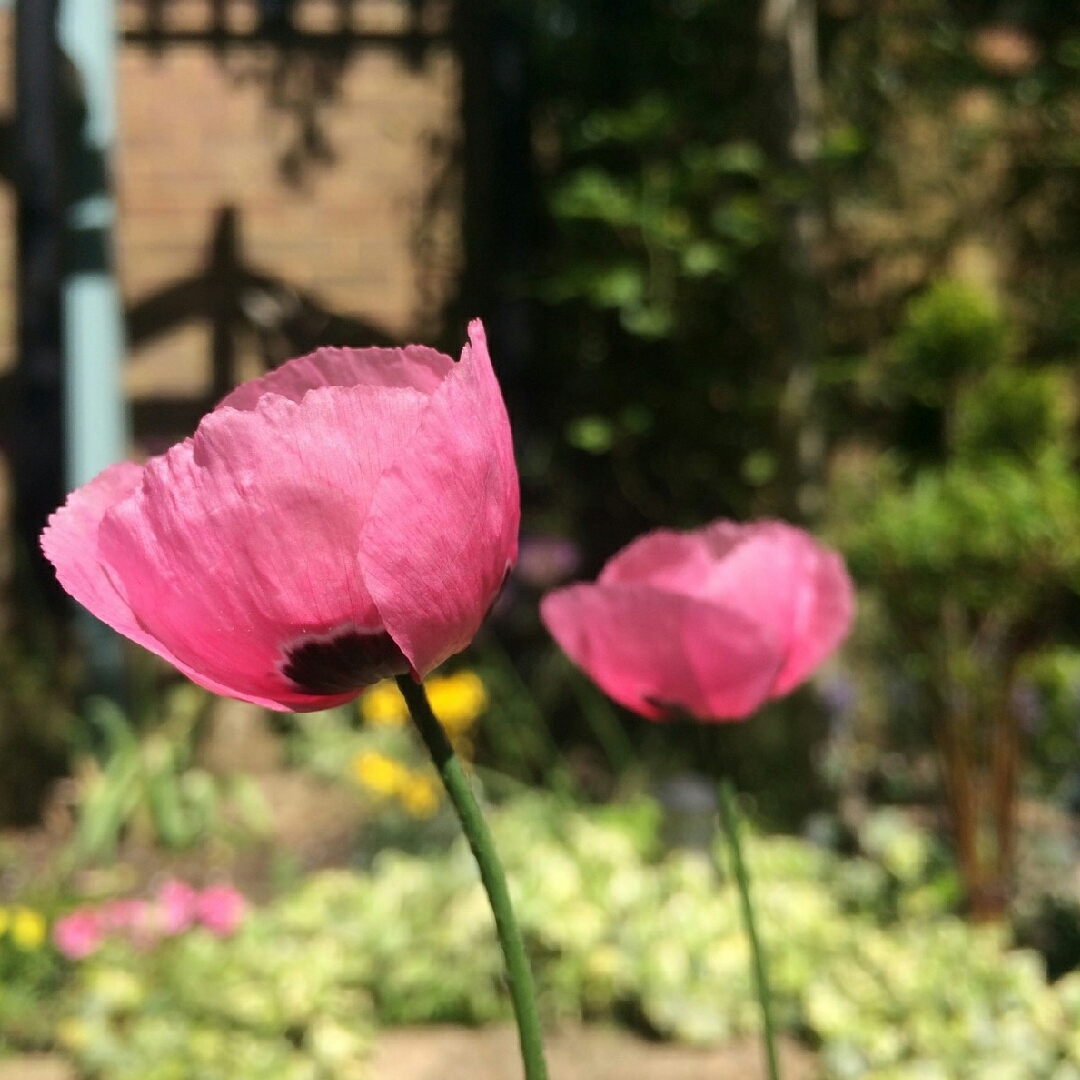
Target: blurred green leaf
column 593, row 434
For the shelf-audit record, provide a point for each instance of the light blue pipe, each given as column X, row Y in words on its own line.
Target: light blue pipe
column 96, row 415
column 95, row 410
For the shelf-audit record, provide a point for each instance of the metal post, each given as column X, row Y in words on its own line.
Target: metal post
column 93, row 321
column 36, row 415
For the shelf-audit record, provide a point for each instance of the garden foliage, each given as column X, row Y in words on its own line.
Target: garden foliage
column 615, row 932
column 969, row 541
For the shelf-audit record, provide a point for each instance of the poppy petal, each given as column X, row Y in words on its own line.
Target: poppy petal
column 650, row 649
column 781, row 575
column 242, row 541
column 71, row 543
column 442, row 529
column 73, row 527
column 676, row 561
column 414, row 367
column 824, row 610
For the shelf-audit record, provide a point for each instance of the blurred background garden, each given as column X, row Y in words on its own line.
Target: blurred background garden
column 809, row 259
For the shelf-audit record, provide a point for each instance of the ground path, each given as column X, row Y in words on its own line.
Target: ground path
column 442, row 1053
column 452, row 1053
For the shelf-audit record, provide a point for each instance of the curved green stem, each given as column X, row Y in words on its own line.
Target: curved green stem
column 729, row 817
column 457, row 785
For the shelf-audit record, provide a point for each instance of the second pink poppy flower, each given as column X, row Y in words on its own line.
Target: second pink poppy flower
column 712, row 622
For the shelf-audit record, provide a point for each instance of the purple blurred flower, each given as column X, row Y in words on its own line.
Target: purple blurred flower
column 1027, row 706
column 839, row 695
column 547, row 561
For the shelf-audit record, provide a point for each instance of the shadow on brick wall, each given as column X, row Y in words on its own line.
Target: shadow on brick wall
column 240, row 302
column 301, row 69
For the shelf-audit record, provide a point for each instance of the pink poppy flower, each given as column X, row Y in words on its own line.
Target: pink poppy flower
column 349, row 516
column 78, row 934
column 220, row 909
column 712, row 622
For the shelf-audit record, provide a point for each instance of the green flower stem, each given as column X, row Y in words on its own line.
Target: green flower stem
column 729, row 818
column 477, row 833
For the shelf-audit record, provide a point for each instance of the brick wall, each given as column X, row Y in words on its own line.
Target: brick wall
column 327, row 158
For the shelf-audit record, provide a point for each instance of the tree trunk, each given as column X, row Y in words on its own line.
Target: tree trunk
column 790, row 66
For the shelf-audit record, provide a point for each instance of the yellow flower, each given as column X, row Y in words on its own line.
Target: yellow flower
column 457, row 700
column 378, row 773
column 383, row 705
column 27, row 928
column 419, row 795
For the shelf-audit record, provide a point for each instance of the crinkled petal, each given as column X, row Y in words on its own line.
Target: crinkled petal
column 243, row 541
column 71, row 543
column 442, row 530
column 653, row 650
column 414, row 367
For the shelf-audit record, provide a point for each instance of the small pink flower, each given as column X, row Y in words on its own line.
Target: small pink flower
column 346, row 517
column 179, row 904
column 712, row 622
column 124, row 916
column 137, row 920
column 78, row 934
column 220, row 908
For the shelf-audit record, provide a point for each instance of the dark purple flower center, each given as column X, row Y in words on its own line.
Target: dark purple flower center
column 350, row 660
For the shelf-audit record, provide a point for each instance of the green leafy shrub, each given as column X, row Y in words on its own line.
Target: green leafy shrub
column 151, row 786
column 281, row 999
column 966, row 548
column 950, row 331
column 30, row 975
column 1015, row 412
